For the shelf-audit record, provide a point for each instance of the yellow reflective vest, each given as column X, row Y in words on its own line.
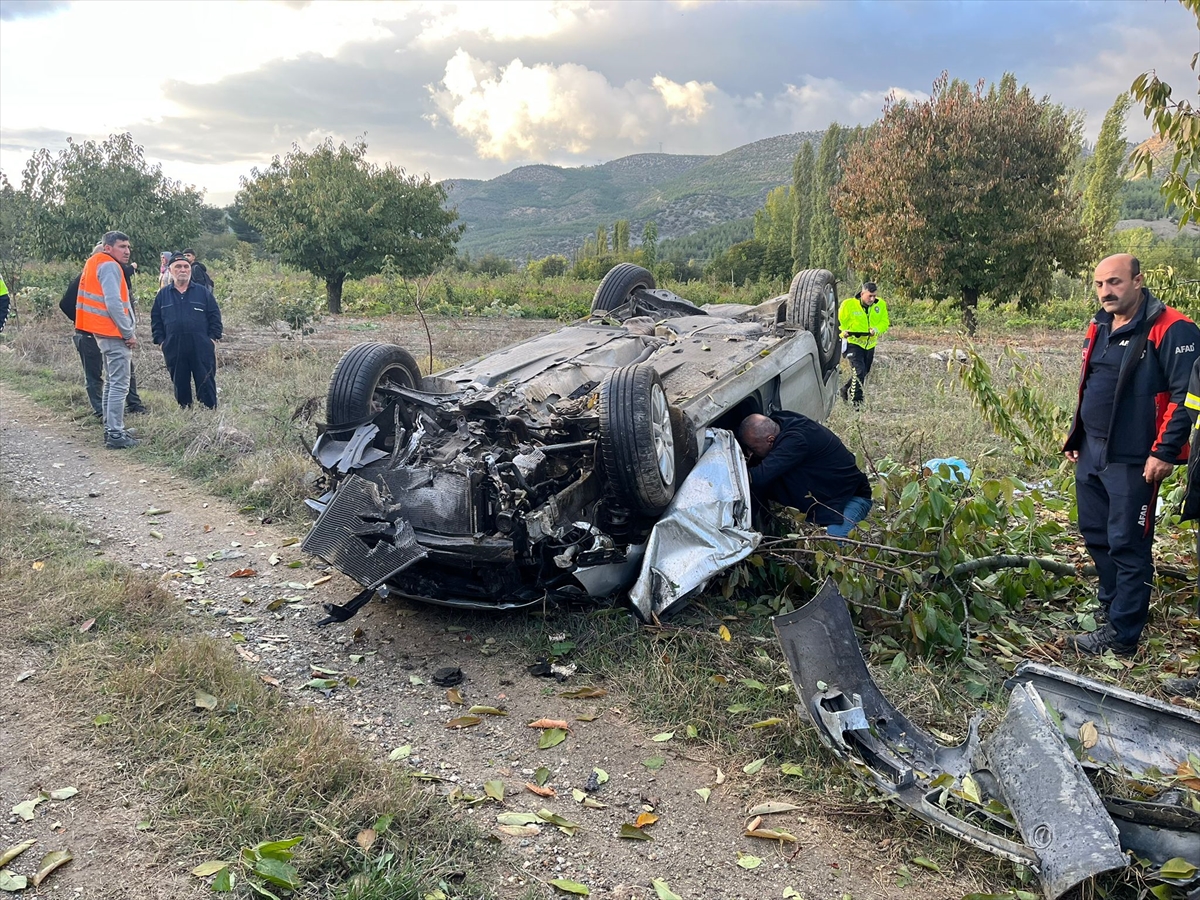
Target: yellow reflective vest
column 856, row 321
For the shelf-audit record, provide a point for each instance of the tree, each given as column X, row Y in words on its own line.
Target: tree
column 773, row 229
column 621, row 236
column 967, row 193
column 601, row 240
column 16, row 237
column 332, row 213
column 740, row 263
column 1102, row 191
column 826, row 238
column 1178, row 123
column 802, row 202
column 650, row 244
column 89, row 188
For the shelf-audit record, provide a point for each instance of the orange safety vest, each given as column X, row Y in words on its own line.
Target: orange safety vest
column 91, row 312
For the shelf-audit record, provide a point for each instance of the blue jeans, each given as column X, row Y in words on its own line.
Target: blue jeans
column 118, row 359
column 855, row 511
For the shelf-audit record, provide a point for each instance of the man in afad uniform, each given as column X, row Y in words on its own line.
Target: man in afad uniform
column 862, row 319
column 1129, row 431
column 1190, row 687
column 185, row 320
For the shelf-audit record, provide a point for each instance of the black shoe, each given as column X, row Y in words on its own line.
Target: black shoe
column 120, row 441
column 1099, row 641
column 1182, row 687
column 136, row 410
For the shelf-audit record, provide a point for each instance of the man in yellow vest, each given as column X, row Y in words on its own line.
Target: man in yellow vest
column 103, row 308
column 862, row 318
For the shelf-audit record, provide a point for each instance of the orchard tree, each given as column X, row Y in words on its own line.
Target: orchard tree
column 802, row 202
column 1176, row 122
column 967, row 193
column 773, row 229
column 78, row 194
column 650, row 244
column 825, row 232
column 1102, row 181
column 332, row 213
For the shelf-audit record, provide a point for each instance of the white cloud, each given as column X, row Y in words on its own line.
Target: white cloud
column 542, row 111
column 502, row 21
column 816, row 102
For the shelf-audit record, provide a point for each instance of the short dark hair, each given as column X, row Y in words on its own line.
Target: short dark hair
column 111, row 238
column 870, row 287
column 1135, row 267
column 187, row 251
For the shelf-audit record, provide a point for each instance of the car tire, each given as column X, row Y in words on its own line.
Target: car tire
column 621, row 281
column 812, row 304
column 637, row 442
column 355, row 382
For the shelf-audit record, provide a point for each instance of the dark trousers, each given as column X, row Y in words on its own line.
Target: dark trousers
column 93, row 374
column 1116, row 519
column 860, row 361
column 191, row 357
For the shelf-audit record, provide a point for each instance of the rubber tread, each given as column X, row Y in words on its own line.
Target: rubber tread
column 806, row 309
column 627, row 440
column 356, row 376
column 615, row 288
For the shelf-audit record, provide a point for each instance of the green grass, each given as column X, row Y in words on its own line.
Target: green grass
column 254, row 768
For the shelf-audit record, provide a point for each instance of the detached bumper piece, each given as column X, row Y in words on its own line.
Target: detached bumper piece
column 361, row 533
column 1022, row 793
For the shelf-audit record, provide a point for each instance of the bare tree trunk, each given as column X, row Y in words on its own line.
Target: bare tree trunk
column 333, row 293
column 970, row 302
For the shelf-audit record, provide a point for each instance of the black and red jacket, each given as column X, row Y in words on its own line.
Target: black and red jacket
column 1149, row 417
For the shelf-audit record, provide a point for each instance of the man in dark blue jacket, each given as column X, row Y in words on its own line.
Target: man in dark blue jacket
column 1129, row 431
column 185, row 320
column 801, row 463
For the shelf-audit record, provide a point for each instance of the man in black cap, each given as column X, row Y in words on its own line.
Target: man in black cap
column 200, row 274
column 186, row 322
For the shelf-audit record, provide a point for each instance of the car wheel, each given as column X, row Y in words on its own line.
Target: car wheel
column 621, row 281
column 636, row 438
column 354, row 386
column 813, row 305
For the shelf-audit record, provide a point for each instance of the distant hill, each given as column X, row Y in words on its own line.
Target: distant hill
column 534, row 211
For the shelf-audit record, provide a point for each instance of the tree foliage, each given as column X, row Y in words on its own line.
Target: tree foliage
column 802, row 202
column 966, row 194
column 1102, row 196
column 75, row 196
column 773, row 229
column 334, row 214
column 650, row 243
column 826, row 235
column 1177, row 122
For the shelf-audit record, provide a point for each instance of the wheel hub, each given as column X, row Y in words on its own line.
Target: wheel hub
column 664, row 440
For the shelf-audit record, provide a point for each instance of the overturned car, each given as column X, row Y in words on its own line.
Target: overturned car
column 537, row 472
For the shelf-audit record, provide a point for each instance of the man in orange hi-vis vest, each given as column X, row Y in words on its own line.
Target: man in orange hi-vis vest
column 104, row 309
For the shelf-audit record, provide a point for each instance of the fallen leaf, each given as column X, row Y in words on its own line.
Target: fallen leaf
column 551, row 737
column 247, row 655
column 51, row 861
column 571, row 887
column 590, row 802
column 400, row 753
column 1177, row 868
column 1088, row 735
column 565, row 826
column 211, row 867
column 205, row 700
column 464, row 722
column 38, row 565
column 970, row 789
column 152, row 511
column 790, row 893
column 693, row 732
column 243, row 573
column 601, row 776
column 15, row 850
column 11, row 882
column 25, row 676
column 540, row 790
column 767, row 723
column 270, row 679
column 495, row 790
column 654, row 763
column 1188, row 775
column 275, row 559
column 633, row 833
column 103, row 719
column 588, row 717
column 926, row 863
column 771, row 806
column 720, row 777
column 519, row 830
column 645, row 819
column 748, row 861
column 549, row 723
column 791, row 769
column 454, row 695
column 704, row 793
column 724, row 633
column 321, row 684
column 87, row 626
column 663, row 736
column 319, row 581
column 586, row 693
column 772, row 834
column 65, row 793
column 663, row 891
column 487, row 711
column 289, row 542
column 366, row 838
column 752, row 768
column 518, row 818
column 25, row 808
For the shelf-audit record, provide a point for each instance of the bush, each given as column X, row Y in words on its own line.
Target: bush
column 41, row 302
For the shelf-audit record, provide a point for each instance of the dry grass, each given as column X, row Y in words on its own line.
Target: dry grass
column 252, row 769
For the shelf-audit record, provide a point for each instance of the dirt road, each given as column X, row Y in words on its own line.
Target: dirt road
column 395, row 708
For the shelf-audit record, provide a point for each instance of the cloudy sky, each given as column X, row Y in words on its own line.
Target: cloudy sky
column 471, row 89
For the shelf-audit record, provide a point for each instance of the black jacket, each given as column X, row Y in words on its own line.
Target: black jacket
column 193, row 312
column 1191, row 498
column 200, row 276
column 1148, row 418
column 809, row 468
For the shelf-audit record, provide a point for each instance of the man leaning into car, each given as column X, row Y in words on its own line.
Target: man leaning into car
column 800, row 463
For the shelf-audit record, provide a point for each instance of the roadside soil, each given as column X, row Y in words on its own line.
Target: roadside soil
column 393, row 650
